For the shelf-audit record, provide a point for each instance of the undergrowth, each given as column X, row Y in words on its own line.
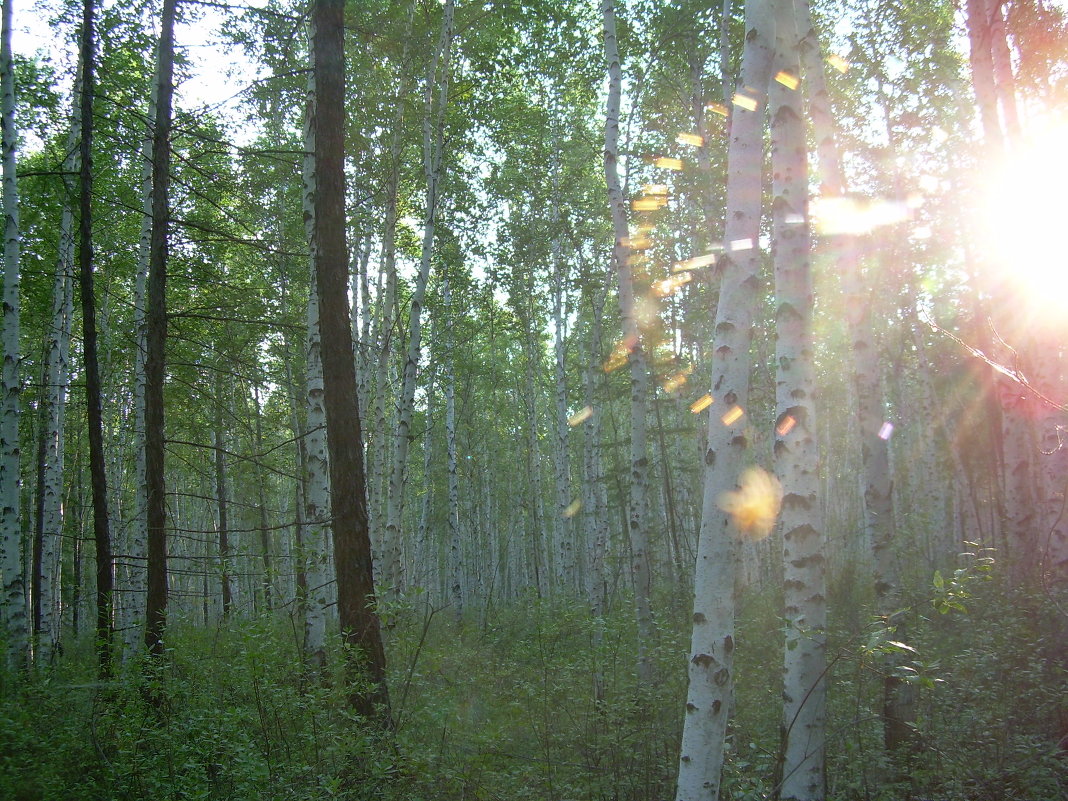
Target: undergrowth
column 508, row 709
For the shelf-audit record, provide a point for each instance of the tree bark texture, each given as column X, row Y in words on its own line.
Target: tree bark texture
column 637, row 525
column 712, row 643
column 348, row 498
column 796, row 451
column 156, row 339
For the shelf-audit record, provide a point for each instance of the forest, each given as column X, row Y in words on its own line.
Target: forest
column 572, row 400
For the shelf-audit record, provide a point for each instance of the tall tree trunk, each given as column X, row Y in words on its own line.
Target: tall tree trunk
column 804, row 722
column 712, row 644
column 13, row 602
column 261, row 497
column 317, row 475
column 348, row 498
column 433, row 145
column 49, row 523
column 97, row 468
column 637, row 526
column 136, row 542
column 456, row 561
column 564, row 522
column 222, row 498
column 899, row 698
column 156, row 339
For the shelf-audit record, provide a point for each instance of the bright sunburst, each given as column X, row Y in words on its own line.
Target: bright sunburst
column 1024, row 222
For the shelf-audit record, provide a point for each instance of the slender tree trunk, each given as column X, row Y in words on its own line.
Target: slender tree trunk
column 14, row 598
column 57, row 379
column 796, row 451
column 433, row 145
column 317, row 475
column 637, row 526
column 132, row 612
column 156, row 340
column 899, row 698
column 348, row 498
column 97, row 468
column 456, row 561
column 222, row 497
column 712, row 644
column 261, row 497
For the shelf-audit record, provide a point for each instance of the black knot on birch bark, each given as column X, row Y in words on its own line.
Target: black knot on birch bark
column 720, row 677
column 703, row 660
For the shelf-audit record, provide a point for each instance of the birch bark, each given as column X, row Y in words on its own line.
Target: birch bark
column 433, row 148
column 796, row 452
column 712, row 643
column 317, row 466
column 13, row 602
column 637, row 526
column 57, row 372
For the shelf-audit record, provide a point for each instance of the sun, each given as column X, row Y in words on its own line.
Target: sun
column 1023, row 224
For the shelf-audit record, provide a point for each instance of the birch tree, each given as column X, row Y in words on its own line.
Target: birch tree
column 433, row 151
column 796, row 450
column 637, row 524
column 711, row 668
column 14, row 596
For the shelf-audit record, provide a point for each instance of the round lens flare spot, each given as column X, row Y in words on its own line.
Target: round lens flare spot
column 754, row 505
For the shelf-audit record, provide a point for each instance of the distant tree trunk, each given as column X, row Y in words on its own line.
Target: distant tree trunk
column 899, row 698
column 348, row 498
column 804, row 722
column 49, row 525
column 132, row 611
column 433, row 147
column 712, row 644
column 317, row 475
column 564, row 523
column 14, row 598
column 456, row 561
column 637, row 525
column 97, row 468
column 261, row 497
column 156, row 340
column 221, row 497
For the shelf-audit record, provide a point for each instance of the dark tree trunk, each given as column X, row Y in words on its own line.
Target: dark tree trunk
column 156, row 338
column 348, row 500
column 97, row 471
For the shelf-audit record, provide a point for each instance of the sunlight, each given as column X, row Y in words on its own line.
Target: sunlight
column 1020, row 217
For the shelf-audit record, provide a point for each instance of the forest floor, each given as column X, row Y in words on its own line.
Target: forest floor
column 503, row 707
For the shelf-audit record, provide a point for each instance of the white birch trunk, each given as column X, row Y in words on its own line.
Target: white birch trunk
column 13, row 609
column 640, row 568
column 796, row 450
column 563, row 524
column 456, row 560
column 57, row 373
column 712, row 645
column 317, row 480
column 433, row 146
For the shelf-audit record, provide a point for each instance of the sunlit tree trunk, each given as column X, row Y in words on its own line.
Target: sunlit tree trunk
column 14, row 598
column 796, row 451
column 222, row 491
column 899, row 698
column 712, row 644
column 433, row 149
column 637, row 525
